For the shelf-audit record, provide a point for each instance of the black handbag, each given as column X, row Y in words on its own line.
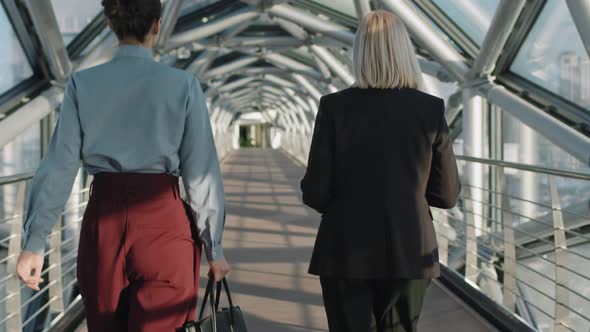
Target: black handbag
column 224, row 320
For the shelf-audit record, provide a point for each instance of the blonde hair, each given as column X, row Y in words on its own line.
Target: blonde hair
column 383, row 55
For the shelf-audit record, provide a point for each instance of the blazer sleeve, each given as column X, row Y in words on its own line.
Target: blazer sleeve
column 316, row 185
column 443, row 183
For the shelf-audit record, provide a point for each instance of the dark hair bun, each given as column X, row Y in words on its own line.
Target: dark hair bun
column 132, row 18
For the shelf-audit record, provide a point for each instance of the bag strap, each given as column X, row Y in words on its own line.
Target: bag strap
column 209, row 296
column 205, row 298
column 227, row 293
column 213, row 310
column 214, row 303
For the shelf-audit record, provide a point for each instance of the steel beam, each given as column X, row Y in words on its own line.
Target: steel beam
column 433, row 68
column 561, row 310
column 291, row 97
column 231, row 66
column 209, row 54
column 337, row 67
column 239, row 93
column 322, row 67
column 320, row 53
column 313, row 91
column 255, row 82
column 31, row 113
column 474, row 115
column 285, row 62
column 171, row 12
column 274, row 81
column 47, row 29
column 283, row 82
column 255, row 71
column 429, row 38
column 328, row 41
column 12, row 10
column 210, row 29
column 302, row 35
column 296, row 111
column 580, row 11
column 564, row 136
column 363, row 7
column 270, row 70
column 101, row 53
column 305, row 110
column 232, row 85
column 312, row 22
column 262, row 42
column 502, row 25
column 212, row 49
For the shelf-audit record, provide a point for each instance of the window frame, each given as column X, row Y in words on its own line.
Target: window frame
column 565, row 110
column 468, row 47
column 91, row 31
column 557, row 106
column 14, row 96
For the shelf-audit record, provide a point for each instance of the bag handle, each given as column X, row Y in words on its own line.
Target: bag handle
column 209, row 295
column 214, row 303
column 227, row 293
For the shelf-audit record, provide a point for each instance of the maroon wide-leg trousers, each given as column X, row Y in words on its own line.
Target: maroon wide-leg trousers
column 137, row 265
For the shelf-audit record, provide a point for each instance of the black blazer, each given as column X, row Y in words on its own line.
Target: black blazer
column 378, row 159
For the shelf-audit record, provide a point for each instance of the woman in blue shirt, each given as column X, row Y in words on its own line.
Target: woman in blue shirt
column 136, row 125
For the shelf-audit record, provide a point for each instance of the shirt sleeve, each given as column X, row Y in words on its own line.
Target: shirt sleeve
column 316, row 185
column 52, row 184
column 201, row 174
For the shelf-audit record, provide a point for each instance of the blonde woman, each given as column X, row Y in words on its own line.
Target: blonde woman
column 381, row 154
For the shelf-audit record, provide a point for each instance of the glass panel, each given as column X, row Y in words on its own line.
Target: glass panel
column 553, row 55
column 435, row 26
column 192, row 5
column 472, row 16
column 74, row 15
column 14, row 67
column 524, row 145
column 21, row 155
column 343, row 6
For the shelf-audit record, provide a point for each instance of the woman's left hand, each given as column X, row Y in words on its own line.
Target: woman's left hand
column 28, row 262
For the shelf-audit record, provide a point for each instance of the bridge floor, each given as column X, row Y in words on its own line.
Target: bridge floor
column 268, row 239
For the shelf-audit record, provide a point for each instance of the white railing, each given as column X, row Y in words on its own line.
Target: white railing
column 22, row 309
column 534, row 265
column 537, row 267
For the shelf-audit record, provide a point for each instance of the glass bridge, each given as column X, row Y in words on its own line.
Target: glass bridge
column 515, row 76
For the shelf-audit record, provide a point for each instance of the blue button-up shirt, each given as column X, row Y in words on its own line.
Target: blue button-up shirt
column 131, row 114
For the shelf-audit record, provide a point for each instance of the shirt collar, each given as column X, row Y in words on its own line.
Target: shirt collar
column 133, row 50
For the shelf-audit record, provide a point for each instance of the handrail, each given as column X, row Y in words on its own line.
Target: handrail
column 16, row 178
column 483, row 238
column 527, row 167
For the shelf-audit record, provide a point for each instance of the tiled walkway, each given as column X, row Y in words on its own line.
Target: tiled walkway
column 268, row 241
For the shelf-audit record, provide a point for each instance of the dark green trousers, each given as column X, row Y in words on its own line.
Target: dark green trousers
column 356, row 305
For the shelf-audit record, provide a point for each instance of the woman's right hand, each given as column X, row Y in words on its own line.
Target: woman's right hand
column 218, row 269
